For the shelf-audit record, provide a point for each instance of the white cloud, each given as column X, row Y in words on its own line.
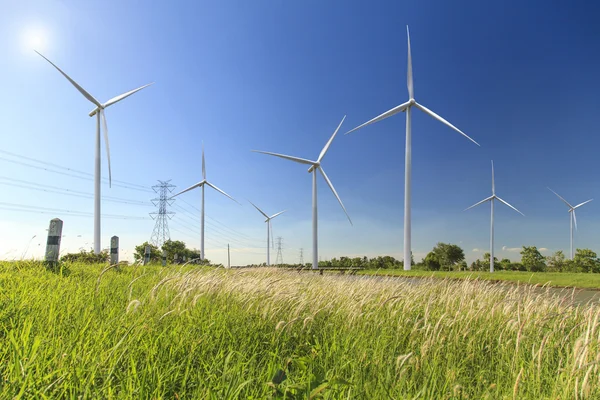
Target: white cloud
column 511, row 249
column 543, row 249
column 475, row 250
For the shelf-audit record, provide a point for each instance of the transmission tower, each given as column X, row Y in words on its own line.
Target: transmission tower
column 161, row 234
column 279, row 259
column 301, row 256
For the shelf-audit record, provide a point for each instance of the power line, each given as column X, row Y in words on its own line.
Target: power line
column 45, row 210
column 279, row 259
column 67, row 168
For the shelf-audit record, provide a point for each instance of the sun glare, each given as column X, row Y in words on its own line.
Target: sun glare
column 34, row 38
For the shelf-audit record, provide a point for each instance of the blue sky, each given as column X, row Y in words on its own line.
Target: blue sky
column 521, row 79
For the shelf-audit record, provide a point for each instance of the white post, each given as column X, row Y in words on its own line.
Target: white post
column 175, row 258
column 314, row 222
column 228, row 257
column 202, row 227
column 97, row 172
column 146, row 255
column 164, row 258
column 114, row 250
column 53, row 243
column 492, row 239
column 407, row 185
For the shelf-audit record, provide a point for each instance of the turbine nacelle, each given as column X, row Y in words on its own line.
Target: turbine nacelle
column 315, row 165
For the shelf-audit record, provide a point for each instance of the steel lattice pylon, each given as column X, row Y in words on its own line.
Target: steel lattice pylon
column 161, row 233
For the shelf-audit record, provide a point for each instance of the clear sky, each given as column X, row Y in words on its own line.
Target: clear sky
column 521, row 78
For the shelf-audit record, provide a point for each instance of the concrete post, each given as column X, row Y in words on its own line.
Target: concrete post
column 175, row 258
column 164, row 258
column 147, row 255
column 114, row 250
column 53, row 243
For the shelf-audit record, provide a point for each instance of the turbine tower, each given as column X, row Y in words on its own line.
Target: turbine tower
column 100, row 117
column 572, row 217
column 314, row 166
column 201, row 184
column 408, row 153
column 491, row 200
column 268, row 221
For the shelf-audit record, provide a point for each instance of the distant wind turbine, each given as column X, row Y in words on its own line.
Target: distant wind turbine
column 99, row 112
column 268, row 221
column 201, row 184
column 408, row 155
column 314, row 166
column 572, row 217
column 491, row 200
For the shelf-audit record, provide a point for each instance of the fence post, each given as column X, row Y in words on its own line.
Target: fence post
column 175, row 258
column 53, row 243
column 114, row 250
column 147, row 255
column 164, row 258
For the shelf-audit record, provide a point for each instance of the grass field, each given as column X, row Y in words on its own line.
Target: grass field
column 557, row 279
column 163, row 333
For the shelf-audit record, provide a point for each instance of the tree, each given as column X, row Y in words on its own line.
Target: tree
column 448, row 254
column 88, row 257
column 140, row 250
column 532, row 259
column 504, row 265
column 431, row 262
column 587, row 260
column 173, row 247
column 486, row 261
column 556, row 262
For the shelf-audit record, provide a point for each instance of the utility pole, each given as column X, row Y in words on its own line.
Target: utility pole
column 228, row 257
column 279, row 259
column 161, row 233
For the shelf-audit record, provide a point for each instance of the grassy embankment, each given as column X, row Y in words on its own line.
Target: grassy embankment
column 556, row 279
column 150, row 332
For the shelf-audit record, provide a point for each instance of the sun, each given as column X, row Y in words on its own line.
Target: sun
column 34, row 38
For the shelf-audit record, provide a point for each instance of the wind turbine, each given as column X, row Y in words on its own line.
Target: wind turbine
column 573, row 218
column 406, row 107
column 268, row 221
column 314, row 166
column 491, row 200
column 99, row 112
column 201, row 184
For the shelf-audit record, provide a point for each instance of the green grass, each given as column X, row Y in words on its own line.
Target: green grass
column 154, row 333
column 556, row 279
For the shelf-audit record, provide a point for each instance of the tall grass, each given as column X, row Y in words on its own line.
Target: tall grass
column 149, row 332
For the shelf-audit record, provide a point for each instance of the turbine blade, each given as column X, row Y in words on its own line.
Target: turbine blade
column 324, row 151
column 81, row 90
column 509, row 205
column 566, row 202
column 190, row 188
column 585, row 202
column 574, row 218
column 334, row 192
column 203, row 163
column 125, row 95
column 274, row 215
column 259, row 210
column 409, row 72
column 481, row 202
column 385, row 115
column 442, row 120
column 220, row 191
column 105, row 128
column 296, row 159
column 493, row 181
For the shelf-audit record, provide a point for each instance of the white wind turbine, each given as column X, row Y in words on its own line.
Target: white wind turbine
column 491, row 200
column 406, row 107
column 314, row 166
column 572, row 217
column 201, row 184
column 268, row 221
column 99, row 112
